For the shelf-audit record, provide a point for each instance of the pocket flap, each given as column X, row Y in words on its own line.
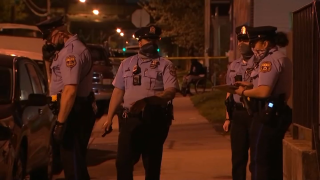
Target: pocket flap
column 151, row 74
column 127, row 74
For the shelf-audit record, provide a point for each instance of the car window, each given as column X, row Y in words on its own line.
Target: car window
column 42, row 67
column 35, row 81
column 24, row 82
column 43, row 79
column 6, row 84
column 98, row 54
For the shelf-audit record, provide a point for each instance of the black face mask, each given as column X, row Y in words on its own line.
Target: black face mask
column 48, row 51
column 245, row 51
column 58, row 46
column 150, row 50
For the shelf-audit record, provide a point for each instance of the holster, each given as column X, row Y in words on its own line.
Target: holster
column 229, row 102
column 280, row 114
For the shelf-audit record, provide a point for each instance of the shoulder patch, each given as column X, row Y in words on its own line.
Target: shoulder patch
column 265, row 67
column 71, row 61
column 172, row 70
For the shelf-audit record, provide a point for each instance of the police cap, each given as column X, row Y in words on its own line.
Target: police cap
column 242, row 32
column 261, row 32
column 47, row 26
column 151, row 32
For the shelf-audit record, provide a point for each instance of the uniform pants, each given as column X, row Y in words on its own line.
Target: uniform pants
column 74, row 147
column 239, row 135
column 266, row 149
column 138, row 138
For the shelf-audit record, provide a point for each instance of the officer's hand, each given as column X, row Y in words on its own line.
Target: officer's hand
column 138, row 106
column 58, row 132
column 248, row 85
column 226, row 125
column 239, row 90
column 107, row 124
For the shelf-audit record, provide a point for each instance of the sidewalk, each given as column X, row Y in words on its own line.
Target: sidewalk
column 192, row 151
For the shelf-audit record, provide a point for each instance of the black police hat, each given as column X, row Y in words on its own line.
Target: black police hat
column 151, row 32
column 47, row 26
column 261, row 32
column 242, row 32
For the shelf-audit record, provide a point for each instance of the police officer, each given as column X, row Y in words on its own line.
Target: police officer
column 271, row 79
column 147, row 83
column 71, row 83
column 239, row 70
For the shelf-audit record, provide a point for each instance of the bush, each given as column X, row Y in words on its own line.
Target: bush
column 211, row 105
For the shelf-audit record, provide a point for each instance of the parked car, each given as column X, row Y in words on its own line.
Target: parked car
column 103, row 75
column 26, row 121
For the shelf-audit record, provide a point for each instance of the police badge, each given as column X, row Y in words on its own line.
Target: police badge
column 152, row 30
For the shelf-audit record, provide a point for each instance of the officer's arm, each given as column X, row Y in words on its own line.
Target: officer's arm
column 70, row 72
column 116, row 99
column 170, row 87
column 227, row 114
column 118, row 91
column 68, row 97
column 268, row 77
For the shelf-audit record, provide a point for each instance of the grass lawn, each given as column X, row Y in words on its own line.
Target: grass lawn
column 211, row 105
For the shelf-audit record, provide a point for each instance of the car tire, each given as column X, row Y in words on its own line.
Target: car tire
column 19, row 166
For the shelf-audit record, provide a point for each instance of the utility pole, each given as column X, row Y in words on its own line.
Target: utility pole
column 207, row 5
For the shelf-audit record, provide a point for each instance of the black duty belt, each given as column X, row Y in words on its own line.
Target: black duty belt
column 239, row 106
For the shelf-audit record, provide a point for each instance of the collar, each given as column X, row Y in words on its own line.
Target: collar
column 70, row 40
column 144, row 58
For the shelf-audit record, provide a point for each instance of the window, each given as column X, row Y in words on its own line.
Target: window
column 25, row 82
column 5, row 85
column 35, row 81
column 98, row 54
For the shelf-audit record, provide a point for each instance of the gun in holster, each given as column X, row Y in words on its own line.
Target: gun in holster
column 229, row 102
column 271, row 110
column 54, row 104
column 169, row 111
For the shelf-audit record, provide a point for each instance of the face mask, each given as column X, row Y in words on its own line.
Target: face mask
column 245, row 51
column 260, row 54
column 58, row 46
column 150, row 50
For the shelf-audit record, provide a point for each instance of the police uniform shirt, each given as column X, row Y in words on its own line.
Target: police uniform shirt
column 275, row 71
column 238, row 67
column 153, row 78
column 70, row 66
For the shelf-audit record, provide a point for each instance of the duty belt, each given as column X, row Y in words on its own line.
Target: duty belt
column 239, row 106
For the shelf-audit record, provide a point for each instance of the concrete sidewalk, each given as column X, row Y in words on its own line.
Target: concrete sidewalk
column 192, row 151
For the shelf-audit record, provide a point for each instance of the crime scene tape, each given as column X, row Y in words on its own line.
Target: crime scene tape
column 179, row 58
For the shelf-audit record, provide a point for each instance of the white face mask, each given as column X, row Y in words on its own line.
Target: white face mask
column 260, row 54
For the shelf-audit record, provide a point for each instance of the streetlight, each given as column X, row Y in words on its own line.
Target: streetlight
column 121, row 34
column 118, row 30
column 83, row 1
column 95, row 12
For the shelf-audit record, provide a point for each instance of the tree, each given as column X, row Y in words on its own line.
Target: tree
column 12, row 7
column 182, row 21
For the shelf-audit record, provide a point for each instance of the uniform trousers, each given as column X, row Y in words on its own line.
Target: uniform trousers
column 239, row 136
column 141, row 136
column 266, row 147
column 73, row 149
